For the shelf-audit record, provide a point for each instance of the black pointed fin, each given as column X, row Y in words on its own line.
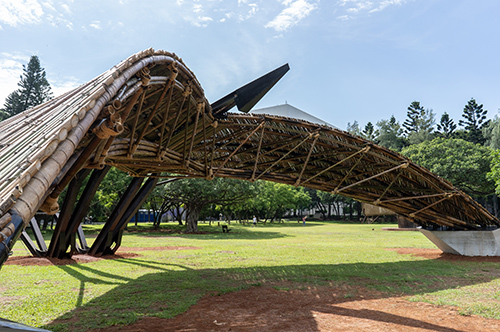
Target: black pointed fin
column 248, row 95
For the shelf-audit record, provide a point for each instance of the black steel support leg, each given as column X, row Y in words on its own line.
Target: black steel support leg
column 115, row 237
column 59, row 234
column 68, row 239
column 100, row 243
column 40, row 242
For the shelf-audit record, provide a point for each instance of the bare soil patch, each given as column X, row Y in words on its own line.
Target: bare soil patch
column 438, row 254
column 122, row 252
column 322, row 309
column 314, row 309
column 43, row 261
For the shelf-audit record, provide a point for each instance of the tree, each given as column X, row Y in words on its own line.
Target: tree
column 354, row 128
column 196, row 194
column 275, row 199
column 475, row 121
column 413, row 114
column 111, row 189
column 491, row 133
column 463, row 163
column 446, row 127
column 390, row 134
column 156, row 201
column 369, row 132
column 34, row 89
column 419, row 124
column 326, row 202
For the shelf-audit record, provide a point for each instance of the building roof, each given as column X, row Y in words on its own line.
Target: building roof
column 289, row 111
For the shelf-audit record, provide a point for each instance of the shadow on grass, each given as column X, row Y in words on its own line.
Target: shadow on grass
column 212, row 233
column 174, row 288
column 147, row 229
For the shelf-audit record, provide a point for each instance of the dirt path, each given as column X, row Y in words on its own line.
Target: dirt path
column 321, row 309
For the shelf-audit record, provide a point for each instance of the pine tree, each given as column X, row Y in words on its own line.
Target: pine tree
column 475, row 121
column 34, row 89
column 419, row 125
column 446, row 127
column 413, row 114
column 369, row 132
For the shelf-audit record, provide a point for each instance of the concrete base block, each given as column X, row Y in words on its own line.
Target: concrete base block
column 466, row 243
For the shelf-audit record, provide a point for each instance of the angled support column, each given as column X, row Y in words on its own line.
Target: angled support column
column 40, row 249
column 68, row 238
column 114, row 238
column 105, row 237
column 65, row 213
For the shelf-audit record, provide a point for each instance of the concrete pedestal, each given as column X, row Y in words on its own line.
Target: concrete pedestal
column 466, row 243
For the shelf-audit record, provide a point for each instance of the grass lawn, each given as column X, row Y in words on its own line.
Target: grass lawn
column 165, row 283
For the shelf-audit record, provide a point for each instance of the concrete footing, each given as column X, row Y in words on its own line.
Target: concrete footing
column 466, row 243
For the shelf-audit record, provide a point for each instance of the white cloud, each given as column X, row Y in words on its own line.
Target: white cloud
column 253, row 9
column 293, row 14
column 60, row 87
column 18, row 12
column 344, row 17
column 197, row 8
column 11, row 68
column 382, row 5
column 48, row 5
column 202, row 21
column 353, row 7
column 23, row 12
column 66, row 8
column 95, row 25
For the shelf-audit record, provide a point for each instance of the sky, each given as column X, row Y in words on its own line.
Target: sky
column 350, row 60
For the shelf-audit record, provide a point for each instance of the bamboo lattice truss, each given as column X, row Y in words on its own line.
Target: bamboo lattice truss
column 148, row 116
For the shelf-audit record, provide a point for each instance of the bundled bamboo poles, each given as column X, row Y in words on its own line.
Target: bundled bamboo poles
column 148, row 115
column 36, row 145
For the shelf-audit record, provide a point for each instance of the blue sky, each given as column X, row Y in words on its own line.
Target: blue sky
column 350, row 59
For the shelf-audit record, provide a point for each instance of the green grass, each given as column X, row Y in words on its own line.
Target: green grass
column 283, row 256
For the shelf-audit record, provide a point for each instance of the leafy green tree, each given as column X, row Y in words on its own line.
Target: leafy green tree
column 491, row 133
column 354, row 128
column 494, row 174
column 390, row 134
column 327, row 201
column 160, row 206
column 446, row 126
column 463, row 163
column 109, row 193
column 273, row 200
column 475, row 121
column 196, row 194
column 34, row 89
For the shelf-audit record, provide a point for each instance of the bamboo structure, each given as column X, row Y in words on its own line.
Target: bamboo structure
column 148, row 116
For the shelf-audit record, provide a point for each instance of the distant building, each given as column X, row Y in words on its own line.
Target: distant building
column 289, row 111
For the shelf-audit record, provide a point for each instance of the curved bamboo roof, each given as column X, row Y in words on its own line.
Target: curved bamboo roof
column 148, row 115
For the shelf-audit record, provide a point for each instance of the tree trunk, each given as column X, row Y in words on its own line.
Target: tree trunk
column 178, row 215
column 45, row 223
column 192, row 214
column 495, row 205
